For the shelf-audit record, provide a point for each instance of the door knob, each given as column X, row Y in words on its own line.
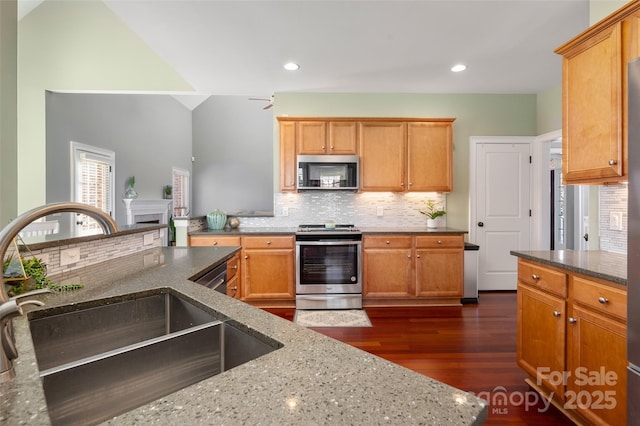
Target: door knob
column 480, row 224
column 586, row 236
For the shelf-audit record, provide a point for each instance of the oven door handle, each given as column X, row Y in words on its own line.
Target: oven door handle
column 329, row 243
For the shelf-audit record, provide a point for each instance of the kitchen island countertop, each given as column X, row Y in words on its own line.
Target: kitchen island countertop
column 312, row 379
column 598, row 264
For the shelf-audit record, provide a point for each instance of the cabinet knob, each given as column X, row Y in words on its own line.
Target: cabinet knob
column 331, row 148
column 418, row 256
column 409, row 256
column 572, row 320
column 215, row 243
column 556, row 314
column 268, row 243
column 401, row 183
column 246, row 256
column 439, row 241
column 613, row 162
column 603, row 300
column 410, row 183
column 388, row 242
column 234, row 267
column 234, row 288
column 535, row 277
column 323, row 147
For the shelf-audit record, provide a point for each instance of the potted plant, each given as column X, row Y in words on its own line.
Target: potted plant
column 131, row 192
column 167, row 190
column 433, row 210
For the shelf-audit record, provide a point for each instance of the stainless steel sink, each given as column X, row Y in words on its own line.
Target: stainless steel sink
column 100, row 359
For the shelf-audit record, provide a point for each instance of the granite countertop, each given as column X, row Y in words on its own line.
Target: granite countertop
column 599, row 264
column 329, row 381
column 365, row 230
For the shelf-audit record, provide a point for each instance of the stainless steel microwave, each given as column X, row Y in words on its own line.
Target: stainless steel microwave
column 328, row 172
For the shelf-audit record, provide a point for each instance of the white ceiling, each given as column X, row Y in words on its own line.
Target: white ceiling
column 393, row 46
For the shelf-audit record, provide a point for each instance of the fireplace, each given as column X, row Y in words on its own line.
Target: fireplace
column 149, row 211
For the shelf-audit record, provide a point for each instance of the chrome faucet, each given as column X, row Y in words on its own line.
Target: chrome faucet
column 9, row 307
column 8, row 310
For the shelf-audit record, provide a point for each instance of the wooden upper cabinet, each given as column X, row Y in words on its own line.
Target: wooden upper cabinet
column 343, row 138
column 321, row 137
column 288, row 166
column 430, row 156
column 312, row 137
column 594, row 98
column 382, row 156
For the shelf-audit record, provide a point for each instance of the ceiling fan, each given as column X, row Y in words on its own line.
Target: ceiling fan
column 270, row 100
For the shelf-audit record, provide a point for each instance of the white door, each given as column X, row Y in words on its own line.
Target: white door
column 500, row 208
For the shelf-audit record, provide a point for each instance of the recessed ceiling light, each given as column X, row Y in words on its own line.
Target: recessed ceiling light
column 291, row 66
column 458, row 68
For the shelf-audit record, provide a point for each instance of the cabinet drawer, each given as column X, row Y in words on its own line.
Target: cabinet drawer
column 440, row 241
column 213, row 240
column 267, row 242
column 233, row 265
column 543, row 278
column 600, row 297
column 387, row 241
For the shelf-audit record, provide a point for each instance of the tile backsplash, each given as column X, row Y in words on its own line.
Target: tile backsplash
column 361, row 209
column 613, row 201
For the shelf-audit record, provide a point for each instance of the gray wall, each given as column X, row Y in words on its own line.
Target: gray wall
column 233, row 149
column 150, row 134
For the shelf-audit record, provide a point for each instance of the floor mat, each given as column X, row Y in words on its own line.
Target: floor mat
column 332, row 318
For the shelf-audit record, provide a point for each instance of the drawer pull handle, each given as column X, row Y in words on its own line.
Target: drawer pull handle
column 603, row 300
column 572, row 320
column 556, row 314
column 535, row 277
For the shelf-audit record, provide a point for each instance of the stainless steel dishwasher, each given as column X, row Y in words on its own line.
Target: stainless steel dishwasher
column 215, row 279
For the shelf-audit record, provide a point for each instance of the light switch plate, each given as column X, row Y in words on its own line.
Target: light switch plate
column 615, row 221
column 380, row 211
column 69, row 256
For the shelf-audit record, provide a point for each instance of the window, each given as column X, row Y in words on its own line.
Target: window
column 93, row 171
column 180, row 192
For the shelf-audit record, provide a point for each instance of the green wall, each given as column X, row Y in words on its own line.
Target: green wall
column 75, row 45
column 476, row 115
column 8, row 111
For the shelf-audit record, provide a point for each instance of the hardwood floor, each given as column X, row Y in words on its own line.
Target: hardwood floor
column 472, row 347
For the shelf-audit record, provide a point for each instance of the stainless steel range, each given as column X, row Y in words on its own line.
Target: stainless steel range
column 328, row 267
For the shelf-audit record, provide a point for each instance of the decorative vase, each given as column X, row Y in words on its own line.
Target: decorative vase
column 431, row 223
column 216, row 219
column 130, row 193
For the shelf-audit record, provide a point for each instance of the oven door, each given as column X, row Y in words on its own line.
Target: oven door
column 328, row 267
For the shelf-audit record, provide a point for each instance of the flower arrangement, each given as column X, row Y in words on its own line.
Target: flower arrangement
column 433, row 209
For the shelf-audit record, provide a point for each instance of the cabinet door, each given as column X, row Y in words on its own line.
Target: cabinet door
column 268, row 274
column 382, row 156
column 540, row 346
column 311, row 137
column 592, row 140
column 439, row 273
column 596, row 360
column 387, row 273
column 343, row 138
column 288, row 166
column 430, row 156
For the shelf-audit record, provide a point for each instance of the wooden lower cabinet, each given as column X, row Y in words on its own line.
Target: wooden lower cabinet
column 574, row 347
column 268, row 271
column 263, row 274
column 405, row 269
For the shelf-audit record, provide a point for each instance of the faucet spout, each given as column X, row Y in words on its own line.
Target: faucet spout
column 14, row 227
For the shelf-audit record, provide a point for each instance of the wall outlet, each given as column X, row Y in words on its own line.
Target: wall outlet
column 615, row 221
column 380, row 211
column 69, row 256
